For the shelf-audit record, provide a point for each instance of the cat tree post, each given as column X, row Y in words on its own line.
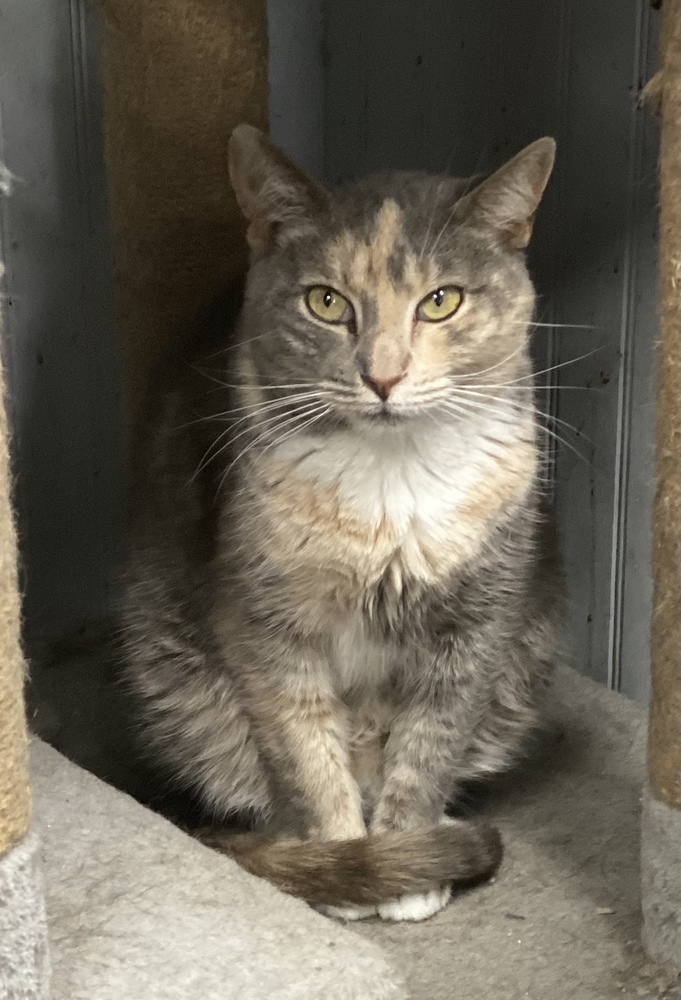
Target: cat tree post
column 661, row 823
column 23, row 934
column 178, row 76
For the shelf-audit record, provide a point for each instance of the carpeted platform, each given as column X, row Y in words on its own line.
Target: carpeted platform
column 562, row 920
column 137, row 910
column 132, row 898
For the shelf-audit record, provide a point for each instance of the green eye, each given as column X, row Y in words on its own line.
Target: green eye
column 440, row 304
column 328, row 305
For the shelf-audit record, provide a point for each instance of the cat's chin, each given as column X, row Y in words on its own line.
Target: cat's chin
column 385, row 417
column 391, row 416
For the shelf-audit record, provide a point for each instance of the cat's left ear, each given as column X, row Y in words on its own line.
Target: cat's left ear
column 276, row 197
column 508, row 200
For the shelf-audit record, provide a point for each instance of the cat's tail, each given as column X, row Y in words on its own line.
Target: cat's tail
column 367, row 871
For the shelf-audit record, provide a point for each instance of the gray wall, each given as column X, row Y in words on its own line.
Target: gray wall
column 296, row 78
column 60, row 348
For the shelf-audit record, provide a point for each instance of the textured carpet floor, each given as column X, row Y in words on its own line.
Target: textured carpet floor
column 136, row 910
column 562, row 919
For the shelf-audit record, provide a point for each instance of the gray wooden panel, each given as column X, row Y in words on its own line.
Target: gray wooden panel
column 633, row 595
column 60, row 346
column 296, row 80
column 602, row 176
column 461, row 85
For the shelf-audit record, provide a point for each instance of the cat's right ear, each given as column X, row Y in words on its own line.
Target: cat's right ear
column 277, row 199
column 506, row 202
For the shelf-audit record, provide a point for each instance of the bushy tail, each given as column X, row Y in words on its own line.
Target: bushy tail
column 367, row 871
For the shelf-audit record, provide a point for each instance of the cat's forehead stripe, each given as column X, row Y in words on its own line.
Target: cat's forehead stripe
column 388, row 234
column 375, row 265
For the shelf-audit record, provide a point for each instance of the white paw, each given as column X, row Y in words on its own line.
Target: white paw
column 347, row 912
column 416, row 907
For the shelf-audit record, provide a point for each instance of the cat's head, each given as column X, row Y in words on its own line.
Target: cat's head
column 381, row 297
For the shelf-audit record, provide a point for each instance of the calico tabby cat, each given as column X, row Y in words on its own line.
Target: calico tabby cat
column 342, row 599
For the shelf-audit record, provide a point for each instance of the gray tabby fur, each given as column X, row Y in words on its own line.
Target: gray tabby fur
column 340, row 607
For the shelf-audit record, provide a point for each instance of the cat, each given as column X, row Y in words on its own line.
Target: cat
column 342, row 599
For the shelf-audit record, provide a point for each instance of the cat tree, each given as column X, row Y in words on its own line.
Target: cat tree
column 661, row 824
column 179, row 74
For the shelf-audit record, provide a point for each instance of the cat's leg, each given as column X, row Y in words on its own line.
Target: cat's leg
column 301, row 731
column 304, row 727
column 301, row 728
column 366, row 763
column 517, row 698
column 426, row 746
column 367, row 768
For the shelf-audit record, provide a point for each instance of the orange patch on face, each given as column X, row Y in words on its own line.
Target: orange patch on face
column 363, row 269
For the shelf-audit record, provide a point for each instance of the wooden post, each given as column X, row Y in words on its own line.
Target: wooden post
column 661, row 833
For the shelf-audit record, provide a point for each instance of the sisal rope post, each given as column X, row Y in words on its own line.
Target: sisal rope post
column 661, row 819
column 179, row 75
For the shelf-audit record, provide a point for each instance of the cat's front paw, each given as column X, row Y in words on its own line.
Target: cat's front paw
column 347, row 912
column 417, row 907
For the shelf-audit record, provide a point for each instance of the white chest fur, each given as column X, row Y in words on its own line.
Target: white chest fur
column 392, row 476
column 350, row 512
column 416, row 496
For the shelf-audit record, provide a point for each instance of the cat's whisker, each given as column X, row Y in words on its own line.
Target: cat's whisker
column 296, row 430
column 430, row 223
column 239, row 343
column 491, row 408
column 468, row 408
column 275, row 420
column 272, row 412
column 249, row 446
column 515, row 405
column 208, row 458
column 540, row 426
column 525, row 388
column 562, row 326
column 445, row 224
column 261, row 386
column 460, row 195
column 253, row 409
column 453, row 408
column 561, row 440
column 227, row 416
column 483, row 371
column 459, row 379
column 272, row 419
column 562, row 364
column 532, row 409
column 277, row 441
column 266, row 385
column 257, row 385
column 266, row 427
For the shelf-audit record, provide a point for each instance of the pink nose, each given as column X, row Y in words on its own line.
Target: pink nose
column 382, row 386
